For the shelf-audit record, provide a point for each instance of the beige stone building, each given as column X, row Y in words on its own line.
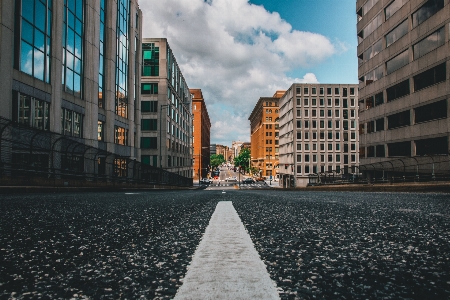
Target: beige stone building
column 318, row 133
column 404, row 87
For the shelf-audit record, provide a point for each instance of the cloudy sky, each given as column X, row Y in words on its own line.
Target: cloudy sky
column 237, row 51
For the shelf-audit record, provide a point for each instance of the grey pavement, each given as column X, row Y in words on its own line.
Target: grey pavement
column 226, row 264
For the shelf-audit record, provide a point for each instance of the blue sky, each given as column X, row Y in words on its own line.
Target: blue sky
column 335, row 19
column 237, row 51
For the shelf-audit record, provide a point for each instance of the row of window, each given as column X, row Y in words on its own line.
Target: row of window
column 337, row 124
column 329, row 114
column 325, row 147
column 422, row 80
column 337, row 91
column 425, row 113
column 325, row 158
column 329, row 102
column 329, row 135
column 433, row 146
column 330, row 168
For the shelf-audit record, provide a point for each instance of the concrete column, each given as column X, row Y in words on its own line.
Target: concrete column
column 7, row 8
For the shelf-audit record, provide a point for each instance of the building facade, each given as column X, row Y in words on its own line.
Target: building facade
column 264, row 135
column 165, row 110
column 72, row 68
column 404, row 86
column 201, row 135
column 318, row 133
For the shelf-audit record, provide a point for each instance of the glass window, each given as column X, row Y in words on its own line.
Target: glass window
column 392, row 8
column 149, row 88
column 35, row 39
column 399, row 119
column 100, row 131
column 426, row 11
column 433, row 111
column 150, row 59
column 72, row 123
column 73, row 47
column 371, row 27
column 431, row 42
column 397, row 33
column 430, row 77
column 397, row 62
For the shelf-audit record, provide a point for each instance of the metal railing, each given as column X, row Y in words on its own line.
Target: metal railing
column 31, row 156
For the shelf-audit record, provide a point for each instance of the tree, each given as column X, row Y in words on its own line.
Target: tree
column 216, row 160
column 243, row 158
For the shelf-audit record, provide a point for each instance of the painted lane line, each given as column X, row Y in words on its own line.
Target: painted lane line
column 226, row 264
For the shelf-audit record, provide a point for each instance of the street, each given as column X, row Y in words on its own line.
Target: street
column 335, row 245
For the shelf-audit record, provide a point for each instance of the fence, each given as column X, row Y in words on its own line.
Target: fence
column 31, row 155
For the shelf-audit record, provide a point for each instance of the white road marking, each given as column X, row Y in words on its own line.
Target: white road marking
column 226, row 264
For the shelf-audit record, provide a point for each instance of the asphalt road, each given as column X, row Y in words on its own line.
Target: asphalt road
column 138, row 245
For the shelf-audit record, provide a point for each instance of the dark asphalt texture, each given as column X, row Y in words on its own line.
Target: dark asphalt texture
column 316, row 245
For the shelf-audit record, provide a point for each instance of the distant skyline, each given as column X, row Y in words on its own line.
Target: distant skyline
column 237, row 51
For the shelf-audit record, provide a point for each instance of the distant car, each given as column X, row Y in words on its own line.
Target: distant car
column 231, row 179
column 248, row 180
column 205, row 181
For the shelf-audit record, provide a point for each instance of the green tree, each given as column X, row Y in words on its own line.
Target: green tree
column 243, row 159
column 216, row 160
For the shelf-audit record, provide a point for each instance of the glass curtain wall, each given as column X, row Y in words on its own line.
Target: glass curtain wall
column 121, row 103
column 35, row 38
column 73, row 29
column 101, row 67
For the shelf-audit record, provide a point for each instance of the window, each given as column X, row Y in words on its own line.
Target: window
column 399, row 90
column 100, row 131
column 149, row 142
column 71, row 123
column 433, row 111
column 374, row 75
column 426, row 11
column 298, row 91
column 314, row 91
column 371, row 51
column 299, row 124
column 371, row 27
column 299, row 147
column 314, row 102
column 336, row 91
column 101, row 48
column 299, row 113
column 330, row 147
column 150, row 59
column 306, row 157
column 397, row 33
column 149, row 106
column 305, row 102
column 379, row 124
column 122, row 47
column 379, row 99
column 306, row 124
column 397, row 62
column 392, row 8
column 430, row 77
column 149, row 124
column 432, row 146
column 379, row 151
column 305, row 91
column 33, row 39
column 31, row 111
column 299, row 102
column 431, row 42
column 399, row 149
column 121, row 136
column 336, row 102
column 149, row 88
column 321, row 91
column 72, row 40
column 399, row 120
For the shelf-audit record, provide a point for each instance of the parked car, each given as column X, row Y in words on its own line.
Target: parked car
column 248, row 180
column 260, row 179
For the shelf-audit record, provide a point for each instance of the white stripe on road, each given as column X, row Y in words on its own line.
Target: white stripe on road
column 226, row 264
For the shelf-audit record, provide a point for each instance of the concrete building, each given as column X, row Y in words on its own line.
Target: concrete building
column 318, row 133
column 201, row 135
column 264, row 135
column 72, row 68
column 404, row 86
column 166, row 123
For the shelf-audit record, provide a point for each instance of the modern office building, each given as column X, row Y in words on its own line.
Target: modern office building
column 201, row 135
column 318, row 133
column 264, row 135
column 165, row 110
column 71, row 68
column 404, row 86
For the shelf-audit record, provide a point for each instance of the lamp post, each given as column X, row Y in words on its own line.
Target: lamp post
column 160, row 132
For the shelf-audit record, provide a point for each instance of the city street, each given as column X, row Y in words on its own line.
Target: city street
column 333, row 245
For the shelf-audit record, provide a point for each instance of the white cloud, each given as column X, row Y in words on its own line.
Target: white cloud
column 235, row 52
